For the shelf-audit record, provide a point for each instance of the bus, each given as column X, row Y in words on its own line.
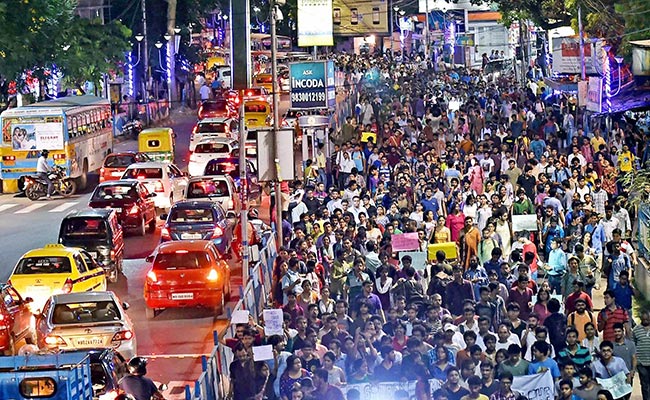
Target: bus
column 77, row 131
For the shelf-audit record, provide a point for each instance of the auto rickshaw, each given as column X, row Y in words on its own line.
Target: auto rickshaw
column 257, row 113
column 158, row 143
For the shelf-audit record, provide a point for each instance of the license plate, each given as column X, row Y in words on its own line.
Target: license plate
column 91, row 341
column 190, row 236
column 182, row 296
column 93, row 254
column 116, row 173
column 117, row 209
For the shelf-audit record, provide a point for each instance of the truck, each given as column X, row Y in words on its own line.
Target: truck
column 55, row 376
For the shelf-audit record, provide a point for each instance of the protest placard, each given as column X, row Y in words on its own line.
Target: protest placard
column 617, row 385
column 273, row 322
column 405, row 241
column 239, row 317
column 449, row 248
column 524, row 223
column 538, row 387
column 419, row 259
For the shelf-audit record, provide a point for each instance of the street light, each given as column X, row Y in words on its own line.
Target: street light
column 167, row 37
column 139, row 37
column 177, row 30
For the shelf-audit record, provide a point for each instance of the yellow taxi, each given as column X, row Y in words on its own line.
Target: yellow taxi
column 265, row 81
column 56, row 269
column 257, row 113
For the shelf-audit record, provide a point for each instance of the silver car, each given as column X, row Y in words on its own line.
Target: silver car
column 86, row 320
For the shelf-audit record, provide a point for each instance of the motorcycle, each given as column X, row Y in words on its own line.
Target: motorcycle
column 36, row 187
column 132, row 128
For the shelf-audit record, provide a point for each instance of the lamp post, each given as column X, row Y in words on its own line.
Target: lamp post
column 401, row 33
column 392, row 29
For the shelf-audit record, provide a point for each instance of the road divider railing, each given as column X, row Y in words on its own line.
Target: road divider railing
column 214, row 381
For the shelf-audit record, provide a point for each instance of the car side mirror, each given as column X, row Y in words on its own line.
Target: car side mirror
column 126, row 305
column 28, row 300
column 163, row 217
column 149, row 258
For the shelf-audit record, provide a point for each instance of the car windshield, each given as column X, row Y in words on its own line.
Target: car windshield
column 119, row 161
column 43, row 265
column 185, row 215
column 222, row 168
column 206, row 188
column 114, row 192
column 80, row 313
column 83, row 228
column 264, row 78
column 215, row 105
column 217, row 127
column 181, row 259
column 212, row 148
column 256, row 108
column 143, row 173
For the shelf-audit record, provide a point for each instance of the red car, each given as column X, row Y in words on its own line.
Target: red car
column 217, row 108
column 115, row 164
column 134, row 204
column 15, row 320
column 186, row 274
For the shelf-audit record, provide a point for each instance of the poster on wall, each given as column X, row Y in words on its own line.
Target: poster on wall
column 315, row 20
column 37, row 136
column 566, row 55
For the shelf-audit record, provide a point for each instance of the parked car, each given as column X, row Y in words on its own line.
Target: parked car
column 114, row 164
column 164, row 179
column 219, row 188
column 16, row 317
column 55, row 268
column 198, row 220
column 213, row 127
column 186, row 274
column 208, row 149
column 98, row 232
column 87, row 320
column 131, row 200
column 230, row 166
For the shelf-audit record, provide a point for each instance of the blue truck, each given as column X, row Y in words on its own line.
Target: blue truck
column 62, row 376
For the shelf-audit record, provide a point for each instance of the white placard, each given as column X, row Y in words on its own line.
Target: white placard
column 524, row 223
column 273, row 320
column 239, row 317
column 262, row 353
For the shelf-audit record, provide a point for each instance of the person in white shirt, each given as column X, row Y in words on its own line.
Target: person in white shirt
column 43, row 170
column 204, row 92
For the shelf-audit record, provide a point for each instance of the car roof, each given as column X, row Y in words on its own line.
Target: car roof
column 84, row 297
column 148, row 164
column 52, row 249
column 189, row 245
column 123, row 153
column 195, row 204
column 217, row 139
column 90, row 212
column 210, row 177
column 215, row 120
column 120, row 182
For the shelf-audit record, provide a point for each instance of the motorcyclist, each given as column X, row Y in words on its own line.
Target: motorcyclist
column 136, row 384
column 254, row 218
column 43, row 171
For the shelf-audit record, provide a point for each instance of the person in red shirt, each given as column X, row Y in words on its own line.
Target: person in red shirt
column 578, row 293
column 522, row 295
column 610, row 315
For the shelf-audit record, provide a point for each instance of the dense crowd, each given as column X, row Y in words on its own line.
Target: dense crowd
column 442, row 153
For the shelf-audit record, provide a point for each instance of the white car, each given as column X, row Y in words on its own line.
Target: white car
column 208, row 149
column 86, row 320
column 213, row 127
column 218, row 188
column 164, row 179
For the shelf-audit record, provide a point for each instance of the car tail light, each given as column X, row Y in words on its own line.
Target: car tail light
column 101, row 171
column 181, row 252
column 54, row 340
column 112, row 254
column 158, row 187
column 217, row 233
column 134, row 210
column 151, row 276
column 67, row 286
column 164, row 233
column 59, row 157
column 212, row 275
column 122, row 335
column 8, row 158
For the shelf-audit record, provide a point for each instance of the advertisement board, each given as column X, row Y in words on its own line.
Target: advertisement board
column 360, row 17
column 312, row 84
column 566, row 56
column 641, row 61
column 595, row 94
column 315, row 23
column 440, row 21
column 32, row 136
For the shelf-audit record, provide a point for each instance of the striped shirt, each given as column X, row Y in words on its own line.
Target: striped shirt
column 606, row 320
column 581, row 356
column 641, row 336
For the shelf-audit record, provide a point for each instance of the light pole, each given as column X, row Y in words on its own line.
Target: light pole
column 392, row 29
column 276, row 153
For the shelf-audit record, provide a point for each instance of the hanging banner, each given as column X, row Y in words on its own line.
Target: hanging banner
column 315, row 23
column 566, row 55
column 595, row 94
column 537, row 387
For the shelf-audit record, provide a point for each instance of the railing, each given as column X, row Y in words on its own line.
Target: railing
column 214, row 382
column 642, row 270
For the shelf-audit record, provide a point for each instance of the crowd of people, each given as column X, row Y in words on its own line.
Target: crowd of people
column 442, row 153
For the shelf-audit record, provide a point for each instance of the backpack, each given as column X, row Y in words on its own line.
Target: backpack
column 572, row 319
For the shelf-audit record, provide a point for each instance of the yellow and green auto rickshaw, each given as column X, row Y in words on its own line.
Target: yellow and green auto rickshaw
column 158, row 143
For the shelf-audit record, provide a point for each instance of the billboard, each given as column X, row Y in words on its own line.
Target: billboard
column 32, row 136
column 641, row 61
column 595, row 94
column 312, row 84
column 315, row 23
column 439, row 20
column 360, row 17
column 566, row 56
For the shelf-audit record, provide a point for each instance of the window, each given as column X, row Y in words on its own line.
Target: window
column 90, row 263
column 143, row 173
column 95, row 311
column 81, row 264
column 209, row 127
column 119, row 161
column 206, row 188
column 205, row 148
column 44, row 265
column 188, row 215
column 37, row 387
column 114, row 192
column 153, row 143
column 174, row 171
column 181, row 260
column 84, row 228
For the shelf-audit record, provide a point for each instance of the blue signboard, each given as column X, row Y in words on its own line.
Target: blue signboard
column 312, row 84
